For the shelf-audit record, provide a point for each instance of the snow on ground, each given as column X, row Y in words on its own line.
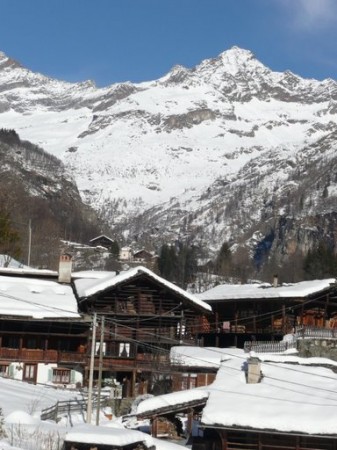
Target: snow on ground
column 15, row 395
column 295, row 394
column 21, row 405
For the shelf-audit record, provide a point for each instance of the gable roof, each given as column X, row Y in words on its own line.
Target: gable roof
column 86, row 288
column 265, row 290
column 173, row 402
column 100, row 237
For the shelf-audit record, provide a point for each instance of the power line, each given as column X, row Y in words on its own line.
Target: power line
column 176, row 341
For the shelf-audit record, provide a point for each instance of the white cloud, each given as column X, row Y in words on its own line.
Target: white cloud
column 311, row 14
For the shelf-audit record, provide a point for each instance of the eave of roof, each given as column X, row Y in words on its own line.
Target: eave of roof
column 98, row 286
column 228, row 292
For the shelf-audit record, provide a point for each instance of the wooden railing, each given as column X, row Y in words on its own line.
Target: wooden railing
column 39, row 355
column 65, row 408
column 141, row 361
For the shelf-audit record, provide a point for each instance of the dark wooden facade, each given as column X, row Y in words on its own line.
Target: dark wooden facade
column 29, row 342
column 46, row 349
column 236, row 321
column 103, row 241
column 144, row 318
column 236, row 439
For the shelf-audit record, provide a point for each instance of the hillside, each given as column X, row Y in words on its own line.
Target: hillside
column 35, row 187
column 226, row 151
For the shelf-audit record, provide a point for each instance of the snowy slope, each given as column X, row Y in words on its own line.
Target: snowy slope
column 181, row 144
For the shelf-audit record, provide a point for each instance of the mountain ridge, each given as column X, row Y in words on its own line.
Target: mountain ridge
column 207, row 154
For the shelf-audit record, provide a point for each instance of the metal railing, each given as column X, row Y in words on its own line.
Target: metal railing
column 315, row 333
column 268, row 346
column 301, row 332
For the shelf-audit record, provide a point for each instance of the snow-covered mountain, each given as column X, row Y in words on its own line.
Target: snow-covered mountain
column 227, row 150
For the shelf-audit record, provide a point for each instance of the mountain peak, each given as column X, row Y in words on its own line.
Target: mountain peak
column 238, row 53
column 5, row 61
column 235, row 59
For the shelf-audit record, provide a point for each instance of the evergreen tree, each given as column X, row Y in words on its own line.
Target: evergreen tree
column 114, row 249
column 177, row 263
column 9, row 238
column 223, row 262
column 167, row 262
column 320, row 262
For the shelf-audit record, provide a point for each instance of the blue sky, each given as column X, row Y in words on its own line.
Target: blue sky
column 110, row 41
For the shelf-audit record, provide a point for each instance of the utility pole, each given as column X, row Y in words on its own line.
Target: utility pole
column 100, row 367
column 91, row 370
column 29, row 241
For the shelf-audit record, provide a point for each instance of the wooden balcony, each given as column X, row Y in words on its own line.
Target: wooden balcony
column 144, row 362
column 43, row 356
column 113, row 362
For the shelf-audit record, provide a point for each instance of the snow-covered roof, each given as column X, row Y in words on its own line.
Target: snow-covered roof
column 92, row 274
column 205, row 357
column 36, row 298
column 86, row 289
column 100, row 237
column 29, row 271
column 161, row 402
column 295, row 395
column 117, row 437
column 261, row 291
column 289, row 398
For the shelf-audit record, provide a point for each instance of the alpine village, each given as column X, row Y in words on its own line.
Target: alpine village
column 205, row 319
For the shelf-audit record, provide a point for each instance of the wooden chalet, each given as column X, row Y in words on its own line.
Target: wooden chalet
column 265, row 312
column 288, row 407
column 43, row 338
column 46, row 323
column 144, row 256
column 101, row 241
column 268, row 404
column 145, row 316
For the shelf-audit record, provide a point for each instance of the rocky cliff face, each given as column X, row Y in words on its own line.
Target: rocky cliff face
column 36, row 188
column 227, row 150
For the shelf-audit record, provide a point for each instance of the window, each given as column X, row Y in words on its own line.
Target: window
column 29, row 372
column 11, row 342
column 124, row 350
column 4, row 370
column 31, row 343
column 188, row 381
column 98, row 348
column 61, row 376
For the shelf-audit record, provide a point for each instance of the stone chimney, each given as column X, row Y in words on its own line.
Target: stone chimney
column 275, row 280
column 254, row 374
column 65, row 268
